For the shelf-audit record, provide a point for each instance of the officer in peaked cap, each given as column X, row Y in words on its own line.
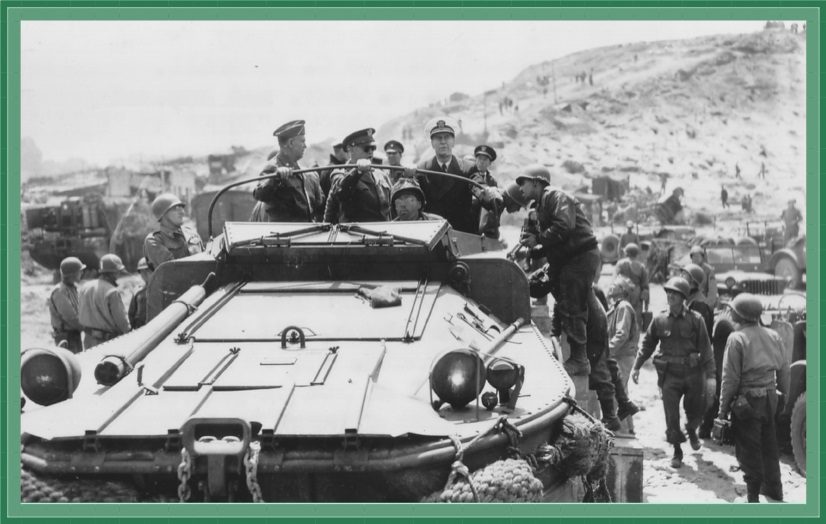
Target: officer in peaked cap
column 447, row 196
column 100, row 306
column 172, row 240
column 484, row 205
column 684, row 363
column 394, row 151
column 290, row 197
column 360, row 194
column 63, row 305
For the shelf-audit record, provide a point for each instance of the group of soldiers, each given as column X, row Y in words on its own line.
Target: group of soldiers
column 83, row 316
column 602, row 329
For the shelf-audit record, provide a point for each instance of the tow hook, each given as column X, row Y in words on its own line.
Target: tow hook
column 223, row 441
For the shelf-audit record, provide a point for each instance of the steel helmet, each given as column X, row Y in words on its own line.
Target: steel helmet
column 142, row 264
column 515, row 194
column 747, row 306
column 535, row 172
column 111, row 263
column 631, row 250
column 71, row 265
column 697, row 249
column 164, row 203
column 696, row 273
column 678, row 284
column 405, row 185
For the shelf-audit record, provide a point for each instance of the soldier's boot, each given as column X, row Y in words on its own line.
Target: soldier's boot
column 609, row 414
column 753, row 492
column 693, row 439
column 577, row 363
column 626, row 406
column 677, row 459
column 627, row 409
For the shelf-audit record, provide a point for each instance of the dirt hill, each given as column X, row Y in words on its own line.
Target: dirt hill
column 693, row 109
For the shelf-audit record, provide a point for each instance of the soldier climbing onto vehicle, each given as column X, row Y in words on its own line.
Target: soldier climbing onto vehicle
column 684, row 364
column 137, row 306
column 290, row 197
column 755, row 367
column 63, row 305
column 100, row 306
column 709, row 286
column 791, row 217
column 566, row 239
column 172, row 240
column 636, row 272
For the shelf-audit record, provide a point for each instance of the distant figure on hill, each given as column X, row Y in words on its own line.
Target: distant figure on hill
column 762, row 174
column 746, row 203
column 663, row 182
column 724, row 197
column 791, row 217
column 737, row 171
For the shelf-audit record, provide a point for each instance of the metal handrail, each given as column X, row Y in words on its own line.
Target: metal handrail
column 312, row 169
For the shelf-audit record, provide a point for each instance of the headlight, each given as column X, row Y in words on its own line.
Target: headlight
column 49, row 375
column 457, row 377
column 504, row 375
column 730, row 282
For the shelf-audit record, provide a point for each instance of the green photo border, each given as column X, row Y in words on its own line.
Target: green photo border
column 12, row 13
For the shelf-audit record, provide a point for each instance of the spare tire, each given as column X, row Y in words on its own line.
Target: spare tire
column 610, row 248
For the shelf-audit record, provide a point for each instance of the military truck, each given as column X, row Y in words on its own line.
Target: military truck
column 86, row 227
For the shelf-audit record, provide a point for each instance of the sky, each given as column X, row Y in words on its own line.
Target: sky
column 106, row 91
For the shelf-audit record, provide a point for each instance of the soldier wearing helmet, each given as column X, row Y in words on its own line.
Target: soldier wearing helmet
column 684, row 363
column 494, row 201
column 623, row 340
column 407, row 202
column 629, row 237
column 566, row 239
column 446, row 196
column 137, row 306
column 101, row 310
column 172, row 240
column 635, row 271
column 290, row 197
column 695, row 276
column 63, row 305
column 755, row 366
column 709, row 287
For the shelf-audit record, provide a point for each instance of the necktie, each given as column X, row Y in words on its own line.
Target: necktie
column 444, row 168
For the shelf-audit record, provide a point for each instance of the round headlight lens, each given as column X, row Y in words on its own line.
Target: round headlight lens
column 502, row 374
column 49, row 375
column 730, row 282
column 457, row 377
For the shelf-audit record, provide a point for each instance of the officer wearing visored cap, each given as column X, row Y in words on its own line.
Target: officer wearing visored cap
column 361, row 194
column 486, row 206
column 290, row 197
column 447, row 196
column 394, row 151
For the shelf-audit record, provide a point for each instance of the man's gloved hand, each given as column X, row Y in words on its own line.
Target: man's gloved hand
column 363, row 165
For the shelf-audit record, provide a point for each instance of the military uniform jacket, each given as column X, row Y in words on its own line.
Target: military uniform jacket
column 678, row 337
column 368, row 200
column 564, row 232
column 63, row 305
column 137, row 308
column 170, row 244
column 754, row 359
column 295, row 199
column 447, row 197
column 635, row 271
column 101, row 307
column 623, row 330
column 325, row 175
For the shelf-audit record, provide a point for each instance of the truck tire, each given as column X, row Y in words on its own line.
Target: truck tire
column 799, row 432
column 786, row 268
column 610, row 248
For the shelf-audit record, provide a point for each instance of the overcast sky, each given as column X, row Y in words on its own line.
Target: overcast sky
column 109, row 90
